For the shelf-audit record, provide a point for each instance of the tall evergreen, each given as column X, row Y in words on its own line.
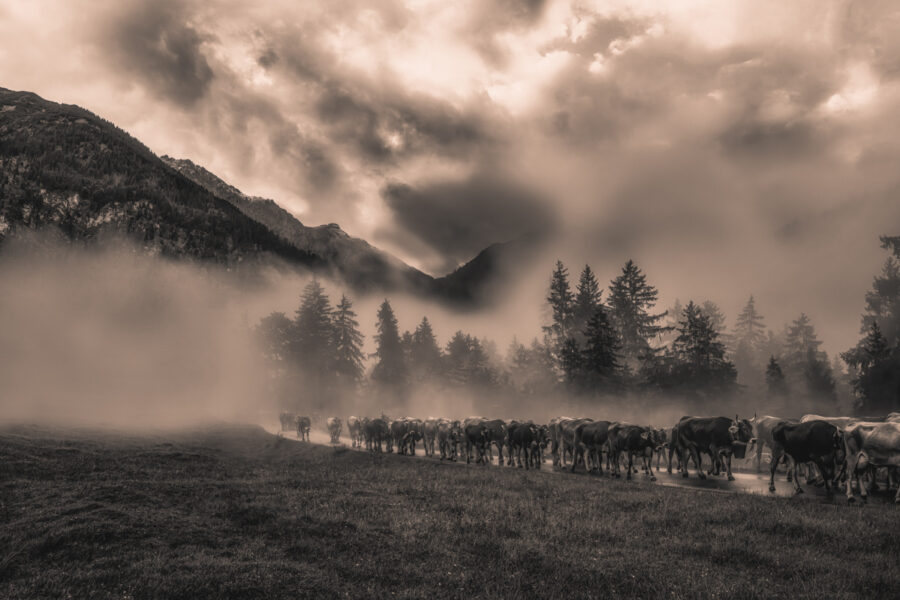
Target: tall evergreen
column 600, row 357
column 425, row 355
column 699, row 363
column 312, row 343
column 390, row 367
column 750, row 328
column 877, row 367
column 587, row 299
column 805, row 363
column 561, row 303
column 348, row 340
column 630, row 301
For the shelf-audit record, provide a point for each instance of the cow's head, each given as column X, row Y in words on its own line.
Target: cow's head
column 740, row 430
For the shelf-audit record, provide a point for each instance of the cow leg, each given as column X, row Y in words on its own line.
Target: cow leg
column 797, row 488
column 728, row 466
column 630, row 465
column 698, row 460
column 773, row 466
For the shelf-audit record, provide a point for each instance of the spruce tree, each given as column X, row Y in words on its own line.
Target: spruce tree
column 630, row 301
column 561, row 303
column 312, row 344
column 587, row 299
column 425, row 355
column 348, row 340
column 600, row 357
column 390, row 367
column 877, row 367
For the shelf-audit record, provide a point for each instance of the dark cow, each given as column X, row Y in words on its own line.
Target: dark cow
column 818, row 442
column 449, row 434
column 630, row 440
column 495, row 435
column 334, row 428
column 376, row 432
column 713, row 436
column 476, row 436
column 524, row 442
column 415, row 430
column 869, row 446
column 399, row 428
column 287, row 420
column 303, row 426
column 591, row 438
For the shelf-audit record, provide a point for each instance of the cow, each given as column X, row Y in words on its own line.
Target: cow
column 376, row 432
column 713, row 436
column 334, row 428
column 449, row 434
column 415, row 430
column 430, row 435
column 524, row 441
column 354, row 428
column 495, row 435
column 631, row 440
column 287, row 420
column 554, row 432
column 818, row 442
column 893, row 417
column 661, row 436
column 399, row 428
column 762, row 433
column 869, row 446
column 476, row 436
column 591, row 437
column 303, row 426
column 565, row 436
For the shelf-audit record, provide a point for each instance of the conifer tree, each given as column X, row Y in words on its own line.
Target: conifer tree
column 390, row 367
column 630, row 301
column 348, row 342
column 587, row 299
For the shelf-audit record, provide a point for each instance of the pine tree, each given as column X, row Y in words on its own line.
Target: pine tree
column 390, row 367
column 801, row 338
column 775, row 381
column 750, row 328
column 883, row 303
column 630, row 300
column 587, row 299
column 877, row 366
column 275, row 332
column 561, row 305
column 699, row 357
column 313, row 330
column 425, row 355
column 312, row 347
column 348, row 342
column 600, row 357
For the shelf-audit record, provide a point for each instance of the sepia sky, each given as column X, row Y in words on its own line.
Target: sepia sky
column 729, row 147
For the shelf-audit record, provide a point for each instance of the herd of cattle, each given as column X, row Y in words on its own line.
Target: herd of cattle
column 831, row 449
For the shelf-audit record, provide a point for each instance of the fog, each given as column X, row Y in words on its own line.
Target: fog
column 107, row 335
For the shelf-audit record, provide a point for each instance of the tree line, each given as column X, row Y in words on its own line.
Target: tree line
column 600, row 343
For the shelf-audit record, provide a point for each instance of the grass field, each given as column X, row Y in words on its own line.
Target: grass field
column 233, row 512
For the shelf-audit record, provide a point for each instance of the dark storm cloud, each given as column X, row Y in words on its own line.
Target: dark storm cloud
column 152, row 42
column 494, row 17
column 461, row 218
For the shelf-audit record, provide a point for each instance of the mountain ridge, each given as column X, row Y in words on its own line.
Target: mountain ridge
column 62, row 166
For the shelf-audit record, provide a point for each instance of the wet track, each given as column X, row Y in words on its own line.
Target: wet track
column 746, row 480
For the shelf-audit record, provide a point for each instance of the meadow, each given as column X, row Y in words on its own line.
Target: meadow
column 235, row 512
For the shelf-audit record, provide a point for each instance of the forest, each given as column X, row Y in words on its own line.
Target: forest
column 599, row 346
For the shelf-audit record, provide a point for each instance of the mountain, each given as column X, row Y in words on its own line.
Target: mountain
column 63, row 166
column 357, row 262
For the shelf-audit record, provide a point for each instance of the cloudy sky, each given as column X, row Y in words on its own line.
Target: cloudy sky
column 730, row 147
